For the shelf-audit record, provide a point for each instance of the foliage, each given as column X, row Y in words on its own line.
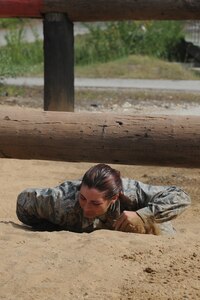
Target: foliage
column 11, row 23
column 118, row 39
column 104, row 42
column 19, row 57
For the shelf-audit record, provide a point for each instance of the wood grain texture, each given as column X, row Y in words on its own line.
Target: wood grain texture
column 58, row 63
column 95, row 137
column 108, row 10
column 105, row 10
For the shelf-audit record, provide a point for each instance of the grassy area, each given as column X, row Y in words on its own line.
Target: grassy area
column 11, row 23
column 137, row 66
column 99, row 53
column 21, row 59
column 159, row 39
column 132, row 67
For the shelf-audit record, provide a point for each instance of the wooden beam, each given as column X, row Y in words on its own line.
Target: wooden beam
column 21, row 8
column 104, row 10
column 113, row 10
column 95, row 137
column 58, row 63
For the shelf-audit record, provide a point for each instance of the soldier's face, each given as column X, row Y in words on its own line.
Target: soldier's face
column 93, row 202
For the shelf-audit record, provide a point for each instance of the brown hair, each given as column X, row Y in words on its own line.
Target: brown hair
column 103, row 178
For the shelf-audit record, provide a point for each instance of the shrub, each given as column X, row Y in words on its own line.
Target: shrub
column 17, row 57
column 103, row 43
column 117, row 39
column 11, row 23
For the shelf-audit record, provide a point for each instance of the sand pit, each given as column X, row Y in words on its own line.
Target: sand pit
column 103, row 264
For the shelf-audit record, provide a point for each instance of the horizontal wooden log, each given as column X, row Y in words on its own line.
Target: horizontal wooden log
column 104, row 10
column 94, row 137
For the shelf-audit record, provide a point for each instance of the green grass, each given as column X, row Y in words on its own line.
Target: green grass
column 118, row 39
column 138, row 67
column 11, row 23
column 132, row 67
column 20, row 58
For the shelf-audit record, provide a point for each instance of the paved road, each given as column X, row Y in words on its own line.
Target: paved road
column 173, row 85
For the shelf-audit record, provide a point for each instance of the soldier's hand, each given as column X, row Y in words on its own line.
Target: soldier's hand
column 129, row 221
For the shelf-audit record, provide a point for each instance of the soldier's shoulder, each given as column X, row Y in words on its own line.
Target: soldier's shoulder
column 128, row 182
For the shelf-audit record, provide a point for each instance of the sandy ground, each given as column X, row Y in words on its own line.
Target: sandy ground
column 103, row 264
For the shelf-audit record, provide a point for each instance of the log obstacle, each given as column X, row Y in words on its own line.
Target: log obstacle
column 104, row 10
column 94, row 137
column 126, row 139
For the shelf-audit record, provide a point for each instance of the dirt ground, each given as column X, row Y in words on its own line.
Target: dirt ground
column 133, row 101
column 103, row 264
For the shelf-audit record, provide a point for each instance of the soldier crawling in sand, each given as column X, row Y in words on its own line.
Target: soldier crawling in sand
column 102, row 200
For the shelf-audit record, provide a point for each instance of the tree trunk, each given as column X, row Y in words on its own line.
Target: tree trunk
column 94, row 137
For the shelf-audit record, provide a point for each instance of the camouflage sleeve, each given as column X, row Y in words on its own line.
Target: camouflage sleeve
column 158, row 203
column 51, row 204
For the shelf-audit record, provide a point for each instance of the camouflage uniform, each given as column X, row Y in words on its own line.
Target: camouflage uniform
column 58, row 208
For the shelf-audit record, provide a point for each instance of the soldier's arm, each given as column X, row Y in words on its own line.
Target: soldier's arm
column 34, row 206
column 160, row 203
column 150, row 204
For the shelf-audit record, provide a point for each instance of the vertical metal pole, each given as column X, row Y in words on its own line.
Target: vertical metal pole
column 58, row 63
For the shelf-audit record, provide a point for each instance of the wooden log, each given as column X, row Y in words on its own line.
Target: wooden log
column 104, row 10
column 94, row 137
column 58, row 63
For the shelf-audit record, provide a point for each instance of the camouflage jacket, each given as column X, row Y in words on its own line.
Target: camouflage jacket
column 59, row 207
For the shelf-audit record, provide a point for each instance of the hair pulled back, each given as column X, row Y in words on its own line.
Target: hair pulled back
column 103, row 178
